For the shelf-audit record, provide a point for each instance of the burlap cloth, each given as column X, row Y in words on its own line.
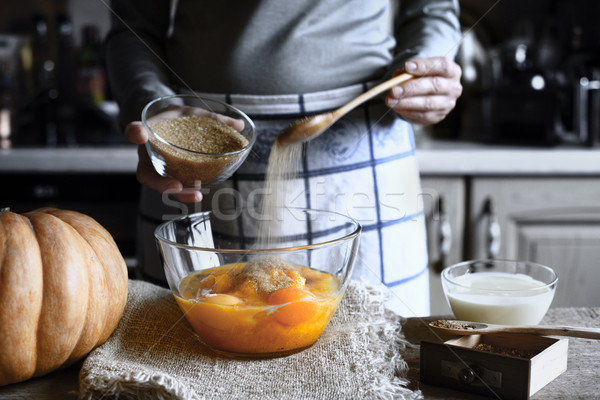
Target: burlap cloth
column 154, row 354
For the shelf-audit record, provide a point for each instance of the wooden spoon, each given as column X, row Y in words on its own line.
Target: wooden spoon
column 479, row 328
column 313, row 126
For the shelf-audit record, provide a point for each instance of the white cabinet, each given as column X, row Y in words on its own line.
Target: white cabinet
column 444, row 202
column 552, row 220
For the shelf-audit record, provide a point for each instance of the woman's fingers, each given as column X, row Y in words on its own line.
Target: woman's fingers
column 136, row 133
column 429, row 97
column 147, row 176
column 441, row 66
column 425, row 103
column 427, row 85
column 433, row 76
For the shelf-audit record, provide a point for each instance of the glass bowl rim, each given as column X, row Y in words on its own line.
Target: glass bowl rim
column 446, row 270
column 228, row 106
column 356, row 232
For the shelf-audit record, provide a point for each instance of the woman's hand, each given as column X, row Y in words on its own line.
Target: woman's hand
column 147, row 175
column 431, row 95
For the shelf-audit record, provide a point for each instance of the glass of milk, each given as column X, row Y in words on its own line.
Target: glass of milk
column 499, row 291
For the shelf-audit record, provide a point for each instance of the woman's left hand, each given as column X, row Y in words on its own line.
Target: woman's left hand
column 431, row 95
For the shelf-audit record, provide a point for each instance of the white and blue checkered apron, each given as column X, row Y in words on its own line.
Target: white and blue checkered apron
column 364, row 166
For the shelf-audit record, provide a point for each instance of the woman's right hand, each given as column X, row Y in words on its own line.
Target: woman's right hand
column 147, row 175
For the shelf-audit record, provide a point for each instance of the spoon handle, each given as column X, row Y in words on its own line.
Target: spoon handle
column 374, row 91
column 588, row 333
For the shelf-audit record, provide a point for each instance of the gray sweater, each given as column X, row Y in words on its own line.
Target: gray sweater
column 157, row 47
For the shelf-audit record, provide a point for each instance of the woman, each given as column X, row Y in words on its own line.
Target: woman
column 279, row 61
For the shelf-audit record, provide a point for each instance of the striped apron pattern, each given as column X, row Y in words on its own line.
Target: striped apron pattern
column 364, row 166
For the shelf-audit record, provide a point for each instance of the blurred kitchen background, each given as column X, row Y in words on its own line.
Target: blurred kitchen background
column 513, row 172
column 53, row 89
column 531, row 72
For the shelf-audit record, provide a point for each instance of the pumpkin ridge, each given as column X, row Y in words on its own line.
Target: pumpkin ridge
column 64, row 304
column 93, row 326
column 20, row 295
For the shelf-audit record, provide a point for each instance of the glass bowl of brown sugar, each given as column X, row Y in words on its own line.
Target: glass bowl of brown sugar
column 196, row 140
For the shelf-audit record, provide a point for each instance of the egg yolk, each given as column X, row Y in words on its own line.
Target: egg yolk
column 253, row 310
column 289, row 295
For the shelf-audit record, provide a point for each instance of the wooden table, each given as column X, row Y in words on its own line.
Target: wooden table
column 580, row 381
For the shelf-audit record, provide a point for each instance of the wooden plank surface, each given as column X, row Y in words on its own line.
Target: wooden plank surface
column 580, row 381
column 62, row 384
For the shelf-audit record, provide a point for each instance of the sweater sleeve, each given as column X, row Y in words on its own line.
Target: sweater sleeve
column 135, row 56
column 426, row 28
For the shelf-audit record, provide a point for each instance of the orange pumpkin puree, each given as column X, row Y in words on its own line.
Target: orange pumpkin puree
column 269, row 306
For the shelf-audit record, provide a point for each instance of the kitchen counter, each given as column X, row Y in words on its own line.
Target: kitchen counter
column 435, row 157
column 578, row 382
column 113, row 159
column 438, row 157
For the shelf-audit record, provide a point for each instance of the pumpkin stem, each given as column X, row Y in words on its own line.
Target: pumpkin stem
column 4, row 209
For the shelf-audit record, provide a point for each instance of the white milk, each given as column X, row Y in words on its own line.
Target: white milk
column 518, row 302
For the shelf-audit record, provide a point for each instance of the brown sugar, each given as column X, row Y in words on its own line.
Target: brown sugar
column 450, row 324
column 506, row 351
column 201, row 134
column 197, row 135
column 268, row 274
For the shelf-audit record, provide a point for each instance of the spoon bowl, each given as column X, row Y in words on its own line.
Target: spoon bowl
column 311, row 127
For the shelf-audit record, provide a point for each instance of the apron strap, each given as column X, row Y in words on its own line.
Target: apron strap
column 289, row 105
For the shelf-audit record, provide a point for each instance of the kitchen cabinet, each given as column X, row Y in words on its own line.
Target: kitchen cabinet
column 444, row 204
column 552, row 220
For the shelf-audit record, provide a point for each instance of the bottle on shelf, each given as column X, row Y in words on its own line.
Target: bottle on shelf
column 65, row 81
column 91, row 75
column 45, row 92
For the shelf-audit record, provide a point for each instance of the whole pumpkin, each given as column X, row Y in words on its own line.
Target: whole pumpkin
column 63, row 288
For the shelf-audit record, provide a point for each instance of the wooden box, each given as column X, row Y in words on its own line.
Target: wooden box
column 510, row 366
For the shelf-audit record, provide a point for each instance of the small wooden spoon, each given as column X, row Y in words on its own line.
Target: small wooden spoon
column 313, row 126
column 479, row 328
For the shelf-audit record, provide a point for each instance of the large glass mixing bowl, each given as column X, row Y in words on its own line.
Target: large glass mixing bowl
column 249, row 298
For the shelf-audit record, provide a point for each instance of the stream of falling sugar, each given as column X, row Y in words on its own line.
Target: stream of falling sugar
column 282, row 169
